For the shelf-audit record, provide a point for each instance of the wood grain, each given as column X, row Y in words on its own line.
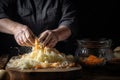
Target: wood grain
column 44, row 74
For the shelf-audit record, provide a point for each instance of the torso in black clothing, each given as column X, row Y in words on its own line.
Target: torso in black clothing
column 39, row 15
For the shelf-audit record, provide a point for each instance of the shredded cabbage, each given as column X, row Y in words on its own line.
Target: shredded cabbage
column 42, row 57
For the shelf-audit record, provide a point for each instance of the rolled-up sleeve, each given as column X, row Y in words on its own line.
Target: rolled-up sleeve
column 3, row 8
column 69, row 15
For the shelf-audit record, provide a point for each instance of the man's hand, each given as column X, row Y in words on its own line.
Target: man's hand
column 24, row 36
column 49, row 38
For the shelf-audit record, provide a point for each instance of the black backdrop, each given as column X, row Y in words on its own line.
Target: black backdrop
column 96, row 19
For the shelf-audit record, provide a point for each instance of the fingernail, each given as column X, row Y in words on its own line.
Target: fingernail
column 41, row 41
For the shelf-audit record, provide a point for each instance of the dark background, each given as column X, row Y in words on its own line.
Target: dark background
column 96, row 19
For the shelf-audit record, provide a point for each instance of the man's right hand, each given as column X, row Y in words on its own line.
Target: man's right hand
column 24, row 36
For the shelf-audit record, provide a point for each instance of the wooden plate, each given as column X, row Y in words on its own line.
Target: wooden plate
column 44, row 74
column 48, row 69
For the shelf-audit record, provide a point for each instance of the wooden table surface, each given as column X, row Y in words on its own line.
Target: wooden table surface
column 110, row 71
column 107, row 72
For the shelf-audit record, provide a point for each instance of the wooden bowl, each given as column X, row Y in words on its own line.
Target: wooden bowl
column 4, row 75
column 44, row 74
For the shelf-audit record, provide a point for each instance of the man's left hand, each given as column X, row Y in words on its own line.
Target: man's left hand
column 48, row 38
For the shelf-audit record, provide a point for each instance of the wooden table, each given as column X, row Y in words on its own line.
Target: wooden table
column 110, row 71
column 106, row 72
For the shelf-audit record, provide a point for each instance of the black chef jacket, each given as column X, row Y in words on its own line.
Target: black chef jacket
column 40, row 15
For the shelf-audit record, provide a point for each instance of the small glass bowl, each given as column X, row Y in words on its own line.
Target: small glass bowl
column 94, row 52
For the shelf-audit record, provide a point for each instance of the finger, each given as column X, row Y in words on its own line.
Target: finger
column 43, row 36
column 32, row 38
column 47, row 39
column 27, row 39
column 16, row 38
column 24, row 40
column 20, row 41
column 29, row 36
column 52, row 43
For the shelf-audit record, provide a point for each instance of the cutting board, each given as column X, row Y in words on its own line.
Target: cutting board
column 44, row 74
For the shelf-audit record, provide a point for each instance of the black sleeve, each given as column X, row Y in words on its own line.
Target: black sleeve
column 3, row 8
column 69, row 13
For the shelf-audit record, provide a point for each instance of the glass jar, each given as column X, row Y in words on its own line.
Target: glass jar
column 94, row 52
